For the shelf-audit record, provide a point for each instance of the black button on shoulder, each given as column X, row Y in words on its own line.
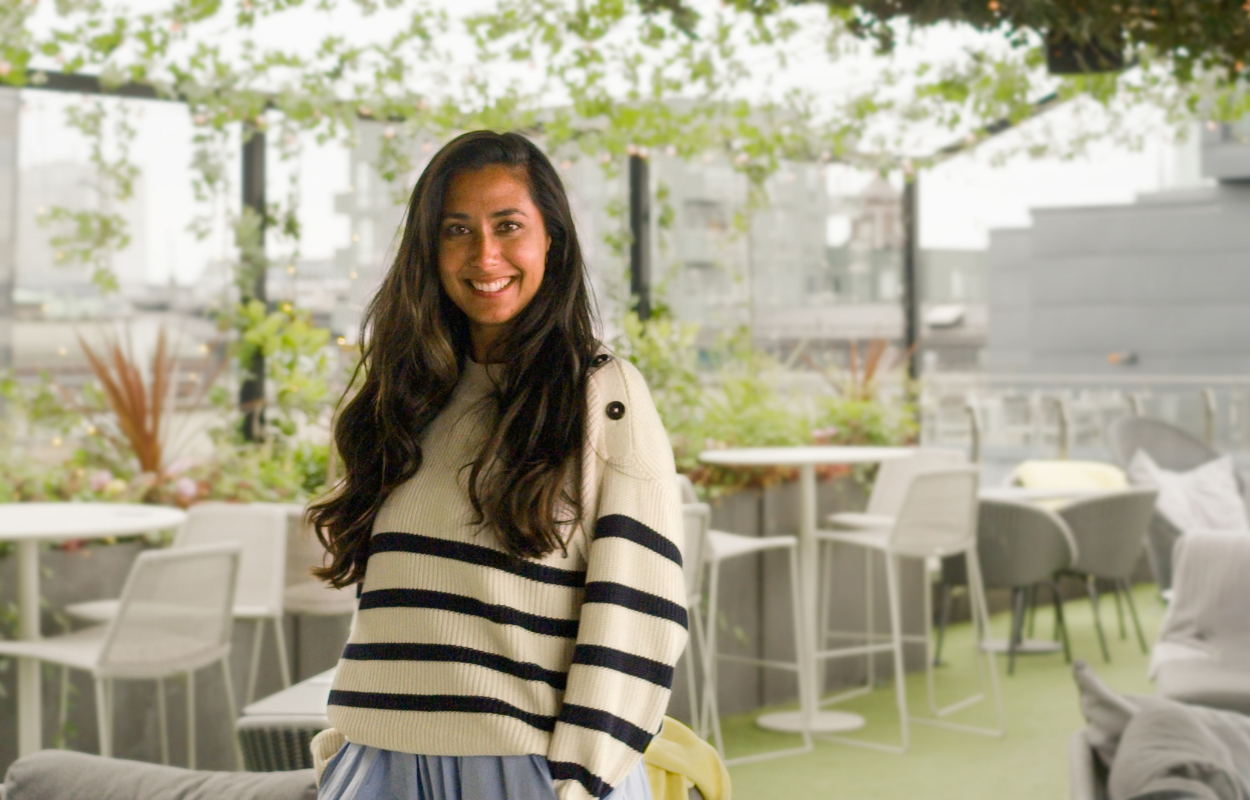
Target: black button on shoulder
column 602, row 359
column 615, row 409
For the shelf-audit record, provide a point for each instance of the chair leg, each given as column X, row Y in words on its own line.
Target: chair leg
column 944, row 619
column 691, row 691
column 162, row 720
column 711, row 709
column 1061, row 625
column 870, row 623
column 1119, row 609
column 1132, row 610
column 1092, row 589
column 1017, row 626
column 104, row 720
column 284, row 663
column 228, row 684
column 190, row 720
column 1032, row 610
column 981, row 611
column 896, row 634
column 253, row 670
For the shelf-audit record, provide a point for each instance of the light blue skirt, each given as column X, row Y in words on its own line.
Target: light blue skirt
column 359, row 772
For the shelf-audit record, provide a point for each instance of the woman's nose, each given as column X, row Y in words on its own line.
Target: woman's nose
column 487, row 250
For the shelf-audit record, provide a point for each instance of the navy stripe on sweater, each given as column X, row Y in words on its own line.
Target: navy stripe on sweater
column 467, row 704
column 633, row 599
column 445, row 601
column 476, row 555
column 620, row 729
column 406, row 651
column 571, row 771
column 651, row 671
column 624, row 527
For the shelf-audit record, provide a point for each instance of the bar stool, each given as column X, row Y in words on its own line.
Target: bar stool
column 937, row 518
column 888, row 492
column 707, row 549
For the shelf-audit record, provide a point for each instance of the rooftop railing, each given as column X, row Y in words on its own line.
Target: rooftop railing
column 1003, row 419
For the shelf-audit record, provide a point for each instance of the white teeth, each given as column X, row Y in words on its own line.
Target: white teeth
column 493, row 286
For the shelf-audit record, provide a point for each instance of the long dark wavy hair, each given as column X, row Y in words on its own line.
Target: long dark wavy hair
column 414, row 345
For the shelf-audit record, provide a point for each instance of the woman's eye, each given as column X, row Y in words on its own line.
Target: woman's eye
column 456, row 230
column 509, row 226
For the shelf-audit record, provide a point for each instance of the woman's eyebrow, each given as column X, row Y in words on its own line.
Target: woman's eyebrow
column 503, row 212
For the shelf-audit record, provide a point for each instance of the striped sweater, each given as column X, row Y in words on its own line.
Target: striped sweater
column 460, row 648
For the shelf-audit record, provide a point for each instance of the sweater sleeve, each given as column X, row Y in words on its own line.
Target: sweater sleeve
column 633, row 618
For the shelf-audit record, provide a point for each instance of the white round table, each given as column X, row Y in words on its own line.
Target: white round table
column 806, row 459
column 28, row 524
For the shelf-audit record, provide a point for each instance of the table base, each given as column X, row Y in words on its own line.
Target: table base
column 1027, row 647
column 821, row 722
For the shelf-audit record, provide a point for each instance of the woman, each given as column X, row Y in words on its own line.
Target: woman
column 508, row 509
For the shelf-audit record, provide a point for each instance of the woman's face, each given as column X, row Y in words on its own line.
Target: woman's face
column 492, row 250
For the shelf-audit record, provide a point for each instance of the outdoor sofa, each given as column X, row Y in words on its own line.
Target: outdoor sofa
column 67, row 775
column 1151, row 748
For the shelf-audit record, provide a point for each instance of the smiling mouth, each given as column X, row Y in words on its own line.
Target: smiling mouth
column 492, row 287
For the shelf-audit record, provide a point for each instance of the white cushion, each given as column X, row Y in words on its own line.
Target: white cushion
column 1203, row 499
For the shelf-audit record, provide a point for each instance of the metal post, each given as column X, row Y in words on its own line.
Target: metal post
column 1061, row 420
column 1209, row 414
column 10, row 106
column 252, row 392
column 640, row 229
column 911, row 288
column 974, row 432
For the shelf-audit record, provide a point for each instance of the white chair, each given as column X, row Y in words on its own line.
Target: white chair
column 304, row 595
column 890, row 487
column 888, row 491
column 260, row 530
column 706, row 549
column 173, row 618
column 937, row 518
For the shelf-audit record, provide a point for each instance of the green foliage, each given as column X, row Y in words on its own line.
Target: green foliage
column 864, row 422
column 296, row 365
column 732, row 401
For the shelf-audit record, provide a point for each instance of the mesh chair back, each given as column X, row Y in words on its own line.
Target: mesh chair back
column 893, row 477
column 1169, row 446
column 260, row 531
column 697, row 521
column 1020, row 544
column 938, row 515
column 1110, row 530
column 174, row 613
column 686, row 488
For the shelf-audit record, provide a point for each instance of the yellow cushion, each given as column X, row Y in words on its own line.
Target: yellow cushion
column 1068, row 475
column 678, row 759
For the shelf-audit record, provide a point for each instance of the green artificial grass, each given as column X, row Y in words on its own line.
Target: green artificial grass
column 1030, row 762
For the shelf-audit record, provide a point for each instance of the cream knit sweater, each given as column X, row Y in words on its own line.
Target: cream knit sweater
column 462, row 649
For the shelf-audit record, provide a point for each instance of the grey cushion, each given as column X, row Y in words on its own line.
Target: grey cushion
column 1182, row 752
column 65, row 775
column 1205, row 683
column 1108, row 712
